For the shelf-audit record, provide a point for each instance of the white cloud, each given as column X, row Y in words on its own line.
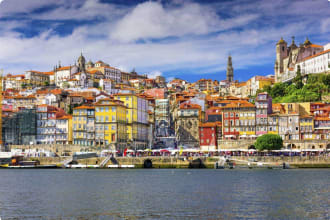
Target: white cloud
column 153, row 20
column 197, row 48
column 154, row 74
column 325, row 25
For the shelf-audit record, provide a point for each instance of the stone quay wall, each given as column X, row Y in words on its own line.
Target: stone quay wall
column 222, row 144
column 183, row 162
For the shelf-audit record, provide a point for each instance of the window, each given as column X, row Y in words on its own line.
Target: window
column 106, row 109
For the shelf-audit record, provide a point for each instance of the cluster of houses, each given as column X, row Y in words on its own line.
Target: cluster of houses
column 94, row 104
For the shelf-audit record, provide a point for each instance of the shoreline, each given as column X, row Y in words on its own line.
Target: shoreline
column 238, row 162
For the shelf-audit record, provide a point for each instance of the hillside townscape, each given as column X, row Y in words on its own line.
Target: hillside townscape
column 94, row 104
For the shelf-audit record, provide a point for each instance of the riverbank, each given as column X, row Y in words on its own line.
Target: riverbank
column 196, row 162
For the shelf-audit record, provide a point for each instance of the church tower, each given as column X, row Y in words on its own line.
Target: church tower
column 81, row 63
column 230, row 70
column 281, row 53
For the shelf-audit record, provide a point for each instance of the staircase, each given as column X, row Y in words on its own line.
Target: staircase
column 67, row 161
column 105, row 161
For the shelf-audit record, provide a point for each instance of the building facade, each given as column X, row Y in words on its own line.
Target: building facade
column 84, row 125
column 263, row 109
column 110, row 124
column 187, row 125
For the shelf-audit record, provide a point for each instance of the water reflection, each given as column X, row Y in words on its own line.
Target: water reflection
column 165, row 194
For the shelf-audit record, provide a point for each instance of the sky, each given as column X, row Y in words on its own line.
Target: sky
column 186, row 39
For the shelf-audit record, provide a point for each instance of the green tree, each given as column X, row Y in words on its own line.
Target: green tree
column 23, row 85
column 269, row 142
column 46, row 83
column 298, row 80
column 278, row 90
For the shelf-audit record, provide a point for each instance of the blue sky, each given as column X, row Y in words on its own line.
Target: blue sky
column 185, row 39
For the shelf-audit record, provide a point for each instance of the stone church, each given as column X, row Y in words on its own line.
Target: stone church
column 288, row 56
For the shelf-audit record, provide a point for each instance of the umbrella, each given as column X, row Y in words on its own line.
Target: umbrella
column 164, row 151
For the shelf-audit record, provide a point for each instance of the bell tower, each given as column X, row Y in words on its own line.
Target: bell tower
column 281, row 53
column 230, row 70
column 81, row 63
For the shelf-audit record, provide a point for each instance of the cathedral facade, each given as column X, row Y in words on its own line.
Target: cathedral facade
column 288, row 57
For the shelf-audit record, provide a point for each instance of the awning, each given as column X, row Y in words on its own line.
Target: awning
column 230, row 135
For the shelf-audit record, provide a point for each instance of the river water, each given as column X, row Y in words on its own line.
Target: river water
column 165, row 194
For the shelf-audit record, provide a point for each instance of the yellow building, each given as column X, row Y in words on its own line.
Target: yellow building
column 110, row 123
column 247, row 118
column 136, row 119
column 84, row 125
column 306, row 127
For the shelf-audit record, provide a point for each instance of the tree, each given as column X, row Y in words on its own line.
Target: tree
column 278, row 90
column 46, row 83
column 298, row 79
column 23, row 85
column 269, row 142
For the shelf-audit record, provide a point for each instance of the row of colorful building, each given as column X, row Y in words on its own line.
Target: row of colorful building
column 94, row 104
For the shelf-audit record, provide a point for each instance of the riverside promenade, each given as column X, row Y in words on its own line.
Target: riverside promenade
column 205, row 162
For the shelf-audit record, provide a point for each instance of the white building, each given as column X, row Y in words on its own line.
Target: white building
column 64, row 74
column 13, row 81
column 318, row 63
column 63, row 132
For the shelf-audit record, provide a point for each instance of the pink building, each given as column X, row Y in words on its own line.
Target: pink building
column 263, row 109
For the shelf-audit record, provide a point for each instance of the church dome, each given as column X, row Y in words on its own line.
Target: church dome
column 90, row 63
column 307, row 42
column 281, row 41
column 81, row 59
